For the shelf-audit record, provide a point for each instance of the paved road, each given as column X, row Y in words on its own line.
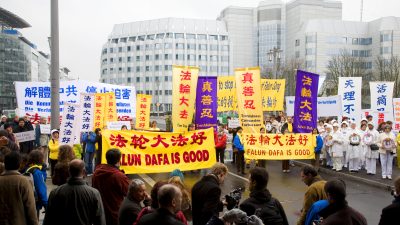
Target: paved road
column 289, row 190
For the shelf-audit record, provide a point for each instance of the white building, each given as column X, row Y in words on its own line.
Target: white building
column 142, row 54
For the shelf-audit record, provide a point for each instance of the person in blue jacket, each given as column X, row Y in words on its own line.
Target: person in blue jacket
column 90, row 140
column 238, row 143
column 313, row 212
column 36, row 168
column 318, row 144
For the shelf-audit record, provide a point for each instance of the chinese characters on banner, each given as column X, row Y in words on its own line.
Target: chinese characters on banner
column 377, row 117
column 160, row 152
column 110, row 108
column 227, row 100
column 273, row 93
column 68, row 124
column 248, row 91
column 34, row 97
column 305, row 103
column 99, row 107
column 206, row 103
column 184, row 83
column 396, row 105
column 381, row 96
column 143, row 111
column 350, row 91
column 87, row 112
column 278, row 146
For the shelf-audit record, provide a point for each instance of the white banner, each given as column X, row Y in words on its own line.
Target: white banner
column 377, row 117
column 396, row 112
column 327, row 106
column 116, row 125
column 25, row 136
column 350, row 91
column 68, row 125
column 45, row 128
column 233, row 123
column 85, row 117
column 381, row 96
column 34, row 97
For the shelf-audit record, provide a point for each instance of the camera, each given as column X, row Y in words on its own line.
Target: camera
column 233, row 198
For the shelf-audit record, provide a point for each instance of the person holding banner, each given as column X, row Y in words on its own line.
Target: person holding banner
column 220, row 144
column 387, row 148
column 354, row 148
column 42, row 139
column 344, row 129
column 238, row 143
column 370, row 139
column 53, row 148
column 337, row 148
column 26, row 146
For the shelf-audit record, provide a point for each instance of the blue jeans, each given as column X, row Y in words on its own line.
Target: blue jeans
column 89, row 162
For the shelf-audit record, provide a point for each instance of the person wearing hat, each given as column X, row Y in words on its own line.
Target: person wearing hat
column 53, row 148
column 387, row 148
column 3, row 121
column 354, row 148
column 345, row 130
column 371, row 138
column 364, row 121
column 337, row 148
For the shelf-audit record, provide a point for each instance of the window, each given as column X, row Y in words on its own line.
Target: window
column 203, row 68
column 191, row 46
column 157, row 46
column 160, row 36
column 365, row 41
column 167, row 56
column 297, row 42
column 150, row 37
column 111, row 50
column 179, row 35
column 223, row 37
column 224, row 58
column 147, row 79
column 202, row 37
column 179, row 57
column 111, row 70
column 180, row 46
column 104, row 51
column 148, row 57
column 119, row 69
column 310, row 39
column 148, row 68
column 138, row 47
column 386, row 50
column 104, row 71
column 214, row 47
column 128, row 49
column 157, row 57
column 169, row 35
column 190, row 36
column 386, row 37
column 191, row 57
column 214, row 37
column 149, row 47
column 213, row 68
column 119, row 59
column 132, row 39
column 202, row 57
column 225, row 48
column 167, row 67
column 128, row 59
column 224, row 69
column 167, row 45
column 138, row 58
column 111, row 60
column 137, row 79
column 129, row 79
column 213, row 58
column 202, row 47
column 128, row 69
column 115, row 41
column 157, row 79
column 141, row 38
column 309, row 64
column 168, row 92
column 119, row 49
column 138, row 69
column 165, row 78
column 310, row 51
column 157, row 68
column 355, row 41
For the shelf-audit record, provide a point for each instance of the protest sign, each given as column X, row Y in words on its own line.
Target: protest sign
column 143, row 111
column 116, row 125
column 273, row 94
column 350, row 91
column 25, row 136
column 227, row 100
column 206, row 103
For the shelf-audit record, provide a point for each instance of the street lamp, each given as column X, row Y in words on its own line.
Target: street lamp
column 274, row 56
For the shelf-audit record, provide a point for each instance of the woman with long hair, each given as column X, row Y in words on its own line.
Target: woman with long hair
column 61, row 173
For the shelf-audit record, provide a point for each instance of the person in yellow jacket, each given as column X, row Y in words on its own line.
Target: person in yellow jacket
column 53, row 148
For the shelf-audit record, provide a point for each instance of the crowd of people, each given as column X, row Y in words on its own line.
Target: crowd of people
column 113, row 198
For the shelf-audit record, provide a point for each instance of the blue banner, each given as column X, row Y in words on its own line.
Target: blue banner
column 305, row 104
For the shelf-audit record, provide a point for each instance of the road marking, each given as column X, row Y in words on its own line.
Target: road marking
column 147, row 179
column 240, row 177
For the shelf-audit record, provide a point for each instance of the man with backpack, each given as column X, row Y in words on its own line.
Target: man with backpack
column 261, row 203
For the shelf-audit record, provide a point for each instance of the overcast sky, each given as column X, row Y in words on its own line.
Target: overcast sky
column 86, row 24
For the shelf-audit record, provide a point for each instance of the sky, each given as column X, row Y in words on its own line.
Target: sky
column 86, row 24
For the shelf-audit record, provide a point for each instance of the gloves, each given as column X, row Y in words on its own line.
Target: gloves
column 234, row 216
column 254, row 220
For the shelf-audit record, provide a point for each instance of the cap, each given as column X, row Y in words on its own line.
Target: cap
column 370, row 123
column 345, row 122
column 54, row 130
column 329, row 126
column 335, row 125
column 364, row 119
column 3, row 116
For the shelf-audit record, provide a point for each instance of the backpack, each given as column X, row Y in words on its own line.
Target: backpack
column 270, row 213
column 29, row 175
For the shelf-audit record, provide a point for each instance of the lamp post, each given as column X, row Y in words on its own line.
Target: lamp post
column 274, row 56
column 55, row 68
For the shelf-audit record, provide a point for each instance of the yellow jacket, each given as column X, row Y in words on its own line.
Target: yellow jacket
column 53, row 148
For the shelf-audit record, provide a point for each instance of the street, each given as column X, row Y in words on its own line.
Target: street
column 289, row 190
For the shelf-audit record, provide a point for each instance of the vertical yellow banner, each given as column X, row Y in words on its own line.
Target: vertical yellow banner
column 143, row 111
column 110, row 107
column 99, row 106
column 273, row 94
column 227, row 100
column 248, row 90
column 184, row 84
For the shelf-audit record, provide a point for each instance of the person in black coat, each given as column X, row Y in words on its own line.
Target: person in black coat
column 206, row 195
column 26, row 146
column 261, row 203
column 170, row 199
column 390, row 214
column 130, row 207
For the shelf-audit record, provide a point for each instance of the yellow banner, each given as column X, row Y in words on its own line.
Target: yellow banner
column 227, row 100
column 273, row 94
column 160, row 152
column 110, row 108
column 143, row 111
column 99, row 106
column 248, row 91
column 278, row 146
column 184, row 79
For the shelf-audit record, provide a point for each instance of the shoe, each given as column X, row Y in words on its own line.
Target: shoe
column 287, row 171
column 389, row 177
column 383, row 177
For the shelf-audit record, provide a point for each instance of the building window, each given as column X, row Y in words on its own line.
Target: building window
column 119, row 59
column 138, row 69
column 310, row 39
column 156, row 68
column 104, row 51
column 169, row 35
column 355, row 41
column 203, row 68
column 202, row 37
column 180, row 46
column 138, row 58
column 141, row 38
column 148, row 68
column 191, row 46
column 123, row 40
column 224, row 58
column 191, row 57
column 224, row 69
column 386, row 37
column 297, row 42
column 129, row 79
column 128, row 49
column 111, row 60
column 310, row 51
column 119, row 49
column 115, row 40
column 148, row 57
column 128, row 59
column 309, row 64
column 167, row 45
column 119, row 69
column 179, row 57
column 128, row 69
column 111, row 50
column 190, row 36
column 150, row 37
column 202, row 57
column 214, row 37
column 111, row 70
column 167, row 56
column 147, row 79
column 104, row 71
column 160, row 36
column 179, row 35
column 137, row 47
column 167, row 67
column 213, row 68
column 213, row 58
column 157, row 57
column 137, row 79
column 202, row 47
column 157, row 46
column 132, row 39
column 149, row 47
column 386, row 50
column 165, row 78
column 223, row 37
column 214, row 47
column 225, row 48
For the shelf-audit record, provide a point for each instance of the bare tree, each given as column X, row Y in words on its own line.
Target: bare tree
column 388, row 70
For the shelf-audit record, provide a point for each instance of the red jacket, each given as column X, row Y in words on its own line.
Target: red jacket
column 113, row 187
column 220, row 141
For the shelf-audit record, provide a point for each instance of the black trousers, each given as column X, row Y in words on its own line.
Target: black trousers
column 240, row 161
column 53, row 163
column 220, row 155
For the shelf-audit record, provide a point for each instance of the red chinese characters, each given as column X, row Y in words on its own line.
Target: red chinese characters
column 118, row 141
column 139, row 141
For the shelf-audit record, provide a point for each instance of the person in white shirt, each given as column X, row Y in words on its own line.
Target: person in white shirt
column 354, row 147
column 387, row 148
column 337, row 148
column 371, row 138
column 363, row 130
column 327, row 153
column 345, row 132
